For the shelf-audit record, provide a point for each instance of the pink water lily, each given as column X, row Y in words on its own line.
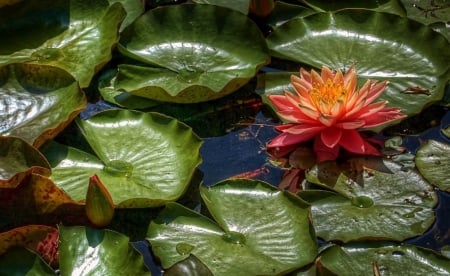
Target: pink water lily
column 331, row 110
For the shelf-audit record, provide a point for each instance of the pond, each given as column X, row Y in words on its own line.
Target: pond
column 224, row 137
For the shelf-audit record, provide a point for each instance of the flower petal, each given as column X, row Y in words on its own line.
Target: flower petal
column 324, row 153
column 350, row 80
column 280, row 102
column 304, row 129
column 375, row 90
column 295, row 116
column 384, row 116
column 316, row 78
column 288, row 139
column 352, row 141
column 350, row 124
column 330, row 136
column 305, row 75
column 326, row 73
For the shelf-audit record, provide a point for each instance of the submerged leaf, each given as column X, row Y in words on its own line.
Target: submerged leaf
column 259, row 230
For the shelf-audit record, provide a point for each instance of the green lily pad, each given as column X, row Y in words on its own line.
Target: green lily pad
column 391, row 6
column 143, row 159
column 432, row 161
column 37, row 101
column 17, row 157
column 190, row 53
column 381, row 259
column 121, row 98
column 259, row 230
column 382, row 46
column 21, row 261
column 432, row 13
column 133, row 8
column 76, row 36
column 388, row 202
column 86, row 251
column 238, row 5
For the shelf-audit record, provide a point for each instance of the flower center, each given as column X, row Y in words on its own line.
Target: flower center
column 327, row 94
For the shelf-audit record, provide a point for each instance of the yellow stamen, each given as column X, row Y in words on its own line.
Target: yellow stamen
column 325, row 96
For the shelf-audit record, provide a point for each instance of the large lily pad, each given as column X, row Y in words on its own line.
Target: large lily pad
column 383, row 46
column 381, row 259
column 432, row 160
column 143, row 159
column 378, row 199
column 259, row 230
column 86, row 251
column 37, row 101
column 191, row 53
column 76, row 36
column 17, row 158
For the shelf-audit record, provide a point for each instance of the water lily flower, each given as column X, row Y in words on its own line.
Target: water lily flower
column 328, row 108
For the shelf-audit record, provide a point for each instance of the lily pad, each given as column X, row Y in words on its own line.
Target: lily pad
column 121, row 98
column 382, row 46
column 17, row 157
column 86, row 251
column 238, row 5
column 432, row 160
column 40, row 201
column 190, row 53
column 37, row 101
column 389, row 202
column 381, row 259
column 259, row 230
column 133, row 8
column 76, row 36
column 21, row 261
column 433, row 13
column 143, row 159
column 391, row 6
column 40, row 239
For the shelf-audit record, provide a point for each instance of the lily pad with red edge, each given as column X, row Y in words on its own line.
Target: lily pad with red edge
column 143, row 159
column 190, row 53
column 37, row 101
column 432, row 161
column 373, row 199
column 258, row 230
column 382, row 46
column 81, row 247
column 40, row 201
column 76, row 36
column 381, row 259
column 17, row 158
column 40, row 239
